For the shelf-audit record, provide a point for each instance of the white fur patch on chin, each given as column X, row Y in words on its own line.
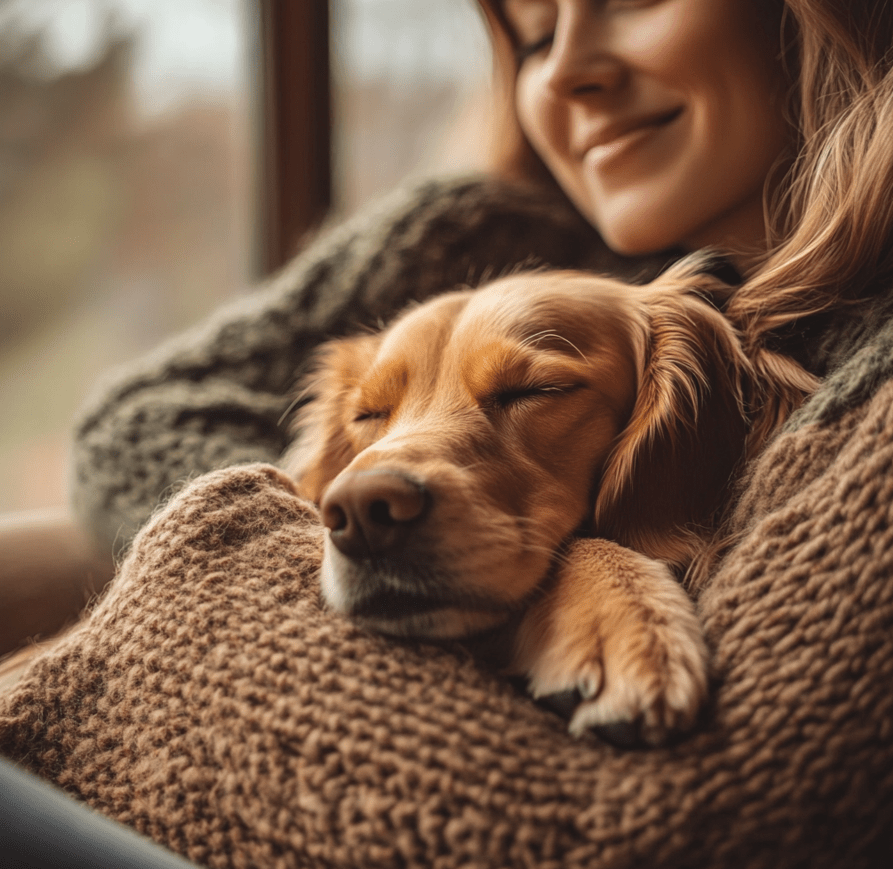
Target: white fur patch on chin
column 334, row 566
column 449, row 622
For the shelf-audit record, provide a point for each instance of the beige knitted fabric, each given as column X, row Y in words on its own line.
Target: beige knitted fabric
column 211, row 704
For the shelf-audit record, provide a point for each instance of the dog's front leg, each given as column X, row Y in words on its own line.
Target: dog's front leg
column 617, row 629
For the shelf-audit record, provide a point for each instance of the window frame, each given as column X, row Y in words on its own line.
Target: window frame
column 295, row 127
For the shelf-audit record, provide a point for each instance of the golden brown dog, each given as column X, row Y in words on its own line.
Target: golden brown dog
column 553, row 445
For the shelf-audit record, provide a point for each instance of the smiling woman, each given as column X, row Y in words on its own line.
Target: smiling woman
column 661, row 120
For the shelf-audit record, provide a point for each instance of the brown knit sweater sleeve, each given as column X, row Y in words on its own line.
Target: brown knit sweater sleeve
column 209, row 702
column 216, row 396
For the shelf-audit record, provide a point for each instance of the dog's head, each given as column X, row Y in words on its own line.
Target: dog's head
column 453, row 453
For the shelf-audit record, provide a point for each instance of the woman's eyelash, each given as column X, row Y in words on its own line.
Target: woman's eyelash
column 522, row 52
column 525, row 50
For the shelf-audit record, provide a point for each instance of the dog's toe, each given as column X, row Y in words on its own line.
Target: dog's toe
column 649, row 703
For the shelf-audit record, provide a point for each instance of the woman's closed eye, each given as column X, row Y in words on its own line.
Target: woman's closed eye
column 532, row 23
column 530, row 49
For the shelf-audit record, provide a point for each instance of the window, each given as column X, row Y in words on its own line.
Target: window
column 410, row 92
column 125, row 186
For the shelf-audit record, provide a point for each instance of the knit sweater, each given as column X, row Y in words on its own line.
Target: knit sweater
column 209, row 701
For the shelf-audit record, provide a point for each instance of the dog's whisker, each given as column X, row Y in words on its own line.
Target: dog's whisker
column 471, row 466
column 292, row 405
column 499, row 542
column 571, row 343
column 531, row 340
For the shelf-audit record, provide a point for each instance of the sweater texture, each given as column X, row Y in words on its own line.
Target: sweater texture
column 210, row 702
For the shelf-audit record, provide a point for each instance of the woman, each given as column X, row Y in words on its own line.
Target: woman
column 662, row 122
column 757, row 126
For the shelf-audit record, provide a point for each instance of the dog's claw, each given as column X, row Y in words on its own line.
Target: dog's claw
column 590, row 683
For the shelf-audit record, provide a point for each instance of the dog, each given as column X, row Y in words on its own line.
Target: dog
column 549, row 451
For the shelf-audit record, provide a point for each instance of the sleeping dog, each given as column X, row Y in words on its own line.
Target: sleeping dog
column 551, row 451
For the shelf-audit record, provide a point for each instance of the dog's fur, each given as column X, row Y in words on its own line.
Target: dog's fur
column 553, row 445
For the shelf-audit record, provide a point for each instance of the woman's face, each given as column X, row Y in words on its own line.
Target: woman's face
column 661, row 119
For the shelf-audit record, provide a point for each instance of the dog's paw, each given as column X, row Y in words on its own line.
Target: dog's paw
column 653, row 685
column 631, row 652
column 641, row 680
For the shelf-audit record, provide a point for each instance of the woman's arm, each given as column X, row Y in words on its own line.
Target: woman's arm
column 48, row 573
column 219, row 395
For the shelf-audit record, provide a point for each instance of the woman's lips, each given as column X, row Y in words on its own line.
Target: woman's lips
column 613, row 146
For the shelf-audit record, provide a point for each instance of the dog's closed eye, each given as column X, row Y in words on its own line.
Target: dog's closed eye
column 521, row 394
column 372, row 414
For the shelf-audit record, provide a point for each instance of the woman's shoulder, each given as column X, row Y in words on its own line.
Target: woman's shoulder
column 479, row 222
column 839, row 442
column 852, row 350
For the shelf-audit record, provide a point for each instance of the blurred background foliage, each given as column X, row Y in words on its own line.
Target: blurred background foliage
column 127, row 170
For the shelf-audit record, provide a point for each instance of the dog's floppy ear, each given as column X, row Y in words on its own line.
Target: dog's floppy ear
column 323, row 447
column 675, row 458
column 779, row 385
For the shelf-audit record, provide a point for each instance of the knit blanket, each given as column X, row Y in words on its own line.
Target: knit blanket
column 211, row 703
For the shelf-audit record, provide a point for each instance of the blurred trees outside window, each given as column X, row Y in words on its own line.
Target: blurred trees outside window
column 127, row 172
column 411, row 92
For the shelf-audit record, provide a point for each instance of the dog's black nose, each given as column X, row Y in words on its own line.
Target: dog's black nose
column 371, row 512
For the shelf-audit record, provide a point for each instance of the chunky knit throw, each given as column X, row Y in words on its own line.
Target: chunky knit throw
column 209, row 702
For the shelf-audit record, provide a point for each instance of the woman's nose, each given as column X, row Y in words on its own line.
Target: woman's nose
column 581, row 61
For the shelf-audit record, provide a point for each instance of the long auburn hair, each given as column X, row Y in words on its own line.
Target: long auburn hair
column 830, row 217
